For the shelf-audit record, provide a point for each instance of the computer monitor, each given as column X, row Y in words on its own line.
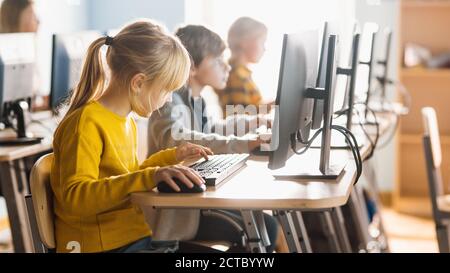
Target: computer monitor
column 385, row 64
column 69, row 51
column 348, row 74
column 366, row 64
column 297, row 83
column 330, row 28
column 298, row 71
column 17, row 72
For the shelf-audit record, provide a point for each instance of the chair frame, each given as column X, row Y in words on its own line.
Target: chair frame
column 441, row 218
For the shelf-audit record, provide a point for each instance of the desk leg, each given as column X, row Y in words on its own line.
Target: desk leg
column 254, row 238
column 341, row 231
column 261, row 225
column 289, row 230
column 17, row 213
column 360, row 218
column 302, row 232
column 330, row 231
column 371, row 176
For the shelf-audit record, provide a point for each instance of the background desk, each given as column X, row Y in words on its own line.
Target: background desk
column 15, row 185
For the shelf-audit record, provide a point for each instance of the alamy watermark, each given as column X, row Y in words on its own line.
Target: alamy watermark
column 246, row 122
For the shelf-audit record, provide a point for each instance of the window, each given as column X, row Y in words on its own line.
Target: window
column 281, row 16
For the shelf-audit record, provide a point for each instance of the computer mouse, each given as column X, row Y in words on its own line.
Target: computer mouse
column 165, row 188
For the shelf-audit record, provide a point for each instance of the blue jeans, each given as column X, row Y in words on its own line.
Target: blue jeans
column 147, row 245
column 212, row 229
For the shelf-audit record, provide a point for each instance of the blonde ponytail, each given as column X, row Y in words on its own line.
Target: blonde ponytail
column 92, row 81
column 141, row 47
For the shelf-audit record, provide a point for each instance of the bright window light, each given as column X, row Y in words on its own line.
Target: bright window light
column 280, row 16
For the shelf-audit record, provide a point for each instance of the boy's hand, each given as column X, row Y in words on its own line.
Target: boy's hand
column 186, row 175
column 256, row 143
column 189, row 151
column 259, row 120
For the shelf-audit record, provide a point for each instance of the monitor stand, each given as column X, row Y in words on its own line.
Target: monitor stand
column 19, row 109
column 304, row 167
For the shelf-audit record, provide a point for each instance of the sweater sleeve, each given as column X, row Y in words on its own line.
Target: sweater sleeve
column 81, row 190
column 161, row 159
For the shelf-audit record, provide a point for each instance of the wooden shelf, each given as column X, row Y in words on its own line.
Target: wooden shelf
column 426, row 4
column 423, row 22
column 425, row 73
column 417, row 139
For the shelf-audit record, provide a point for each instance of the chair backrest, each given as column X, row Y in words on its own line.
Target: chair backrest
column 432, row 131
column 433, row 153
column 42, row 195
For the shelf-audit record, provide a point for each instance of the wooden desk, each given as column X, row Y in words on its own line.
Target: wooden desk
column 15, row 185
column 271, row 194
column 254, row 188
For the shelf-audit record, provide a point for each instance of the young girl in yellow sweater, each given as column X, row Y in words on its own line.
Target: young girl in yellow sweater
column 95, row 166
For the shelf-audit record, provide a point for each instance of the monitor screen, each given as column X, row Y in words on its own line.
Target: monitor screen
column 69, row 51
column 298, row 71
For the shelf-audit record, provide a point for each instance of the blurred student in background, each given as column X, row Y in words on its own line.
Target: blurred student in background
column 18, row 16
column 246, row 39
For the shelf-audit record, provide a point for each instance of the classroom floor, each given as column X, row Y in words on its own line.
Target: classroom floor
column 406, row 233
column 409, row 234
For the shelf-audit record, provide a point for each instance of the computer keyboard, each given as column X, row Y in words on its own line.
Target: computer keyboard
column 219, row 167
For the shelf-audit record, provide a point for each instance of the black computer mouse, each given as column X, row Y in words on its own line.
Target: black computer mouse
column 165, row 188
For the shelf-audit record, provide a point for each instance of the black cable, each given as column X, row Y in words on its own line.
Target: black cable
column 351, row 139
column 404, row 92
column 392, row 135
column 408, row 102
column 300, row 138
column 348, row 136
column 373, row 143
column 308, row 144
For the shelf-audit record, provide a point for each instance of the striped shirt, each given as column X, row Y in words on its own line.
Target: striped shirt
column 240, row 90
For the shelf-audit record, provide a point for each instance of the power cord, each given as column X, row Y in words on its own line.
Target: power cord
column 373, row 143
column 404, row 92
column 392, row 135
column 351, row 140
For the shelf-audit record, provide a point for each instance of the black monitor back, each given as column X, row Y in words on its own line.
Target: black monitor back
column 330, row 28
column 17, row 68
column 298, row 71
column 68, row 55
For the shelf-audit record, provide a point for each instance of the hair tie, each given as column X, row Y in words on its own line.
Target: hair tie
column 109, row 41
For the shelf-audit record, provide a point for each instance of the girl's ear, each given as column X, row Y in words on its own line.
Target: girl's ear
column 137, row 82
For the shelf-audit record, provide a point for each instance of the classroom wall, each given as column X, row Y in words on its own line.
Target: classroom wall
column 386, row 13
column 112, row 14
column 56, row 16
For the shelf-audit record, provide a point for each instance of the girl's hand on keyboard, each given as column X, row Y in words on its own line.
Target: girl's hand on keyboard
column 185, row 174
column 189, row 151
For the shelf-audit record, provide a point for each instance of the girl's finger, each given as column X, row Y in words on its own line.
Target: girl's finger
column 183, row 178
column 194, row 176
column 168, row 180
